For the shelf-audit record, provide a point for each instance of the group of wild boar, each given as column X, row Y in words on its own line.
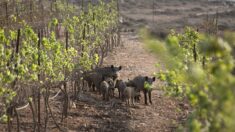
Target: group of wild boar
column 105, row 80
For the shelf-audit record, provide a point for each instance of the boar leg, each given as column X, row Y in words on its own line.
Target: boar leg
column 150, row 99
column 132, row 101
column 145, row 97
column 103, row 96
column 119, row 94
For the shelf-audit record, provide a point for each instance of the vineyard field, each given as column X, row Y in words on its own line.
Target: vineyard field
column 117, row 65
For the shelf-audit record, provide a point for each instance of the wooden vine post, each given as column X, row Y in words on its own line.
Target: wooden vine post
column 83, row 37
column 66, row 101
column 93, row 17
column 17, row 52
column 6, row 8
column 118, row 24
column 39, row 90
column 65, row 91
column 31, row 10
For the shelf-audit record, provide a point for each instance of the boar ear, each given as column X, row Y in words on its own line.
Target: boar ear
column 146, row 78
column 112, row 66
column 120, row 67
column 154, row 78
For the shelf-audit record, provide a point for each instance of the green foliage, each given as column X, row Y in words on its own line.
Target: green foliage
column 147, row 86
column 7, row 75
column 209, row 89
column 86, row 34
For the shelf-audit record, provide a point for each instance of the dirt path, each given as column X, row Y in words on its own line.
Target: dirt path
column 93, row 114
